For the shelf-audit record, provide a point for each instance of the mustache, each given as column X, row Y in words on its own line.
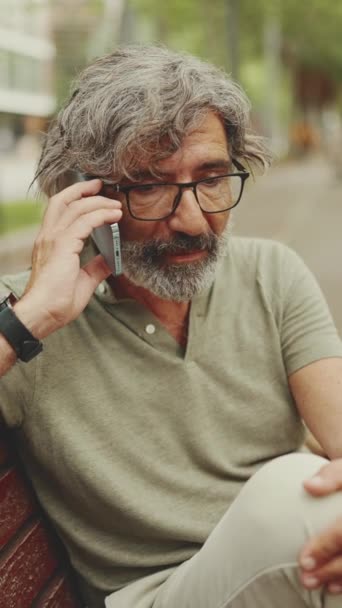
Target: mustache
column 156, row 248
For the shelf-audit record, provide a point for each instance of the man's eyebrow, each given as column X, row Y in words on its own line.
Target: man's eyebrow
column 141, row 175
column 211, row 165
column 219, row 163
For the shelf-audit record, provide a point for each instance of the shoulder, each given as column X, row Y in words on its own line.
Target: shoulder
column 258, row 249
column 262, row 256
column 266, row 268
column 15, row 283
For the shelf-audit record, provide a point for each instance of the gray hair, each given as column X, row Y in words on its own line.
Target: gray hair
column 135, row 106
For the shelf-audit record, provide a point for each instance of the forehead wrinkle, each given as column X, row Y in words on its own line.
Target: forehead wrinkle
column 205, row 144
column 215, row 163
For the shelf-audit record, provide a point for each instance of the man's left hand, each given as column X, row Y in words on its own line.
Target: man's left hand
column 321, row 558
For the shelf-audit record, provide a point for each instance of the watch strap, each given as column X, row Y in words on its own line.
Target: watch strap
column 18, row 336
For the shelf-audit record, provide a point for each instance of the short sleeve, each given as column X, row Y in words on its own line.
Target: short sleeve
column 307, row 331
column 17, row 386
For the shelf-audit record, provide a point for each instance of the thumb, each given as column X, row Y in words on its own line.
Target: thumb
column 327, row 480
column 96, row 270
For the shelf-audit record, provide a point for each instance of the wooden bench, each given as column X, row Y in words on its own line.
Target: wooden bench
column 34, row 570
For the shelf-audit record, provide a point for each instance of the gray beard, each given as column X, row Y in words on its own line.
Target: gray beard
column 142, row 264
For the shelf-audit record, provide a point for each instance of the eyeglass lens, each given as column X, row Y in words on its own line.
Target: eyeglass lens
column 157, row 201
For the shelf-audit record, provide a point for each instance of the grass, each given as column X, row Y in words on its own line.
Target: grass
column 19, row 214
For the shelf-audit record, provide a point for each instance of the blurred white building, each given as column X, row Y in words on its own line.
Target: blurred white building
column 26, row 90
column 43, row 45
column 26, row 57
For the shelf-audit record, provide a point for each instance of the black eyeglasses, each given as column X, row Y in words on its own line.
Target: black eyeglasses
column 157, row 201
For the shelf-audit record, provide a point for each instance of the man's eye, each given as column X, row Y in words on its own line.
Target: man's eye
column 211, row 181
column 148, row 189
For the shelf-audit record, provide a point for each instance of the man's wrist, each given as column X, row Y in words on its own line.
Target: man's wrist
column 32, row 316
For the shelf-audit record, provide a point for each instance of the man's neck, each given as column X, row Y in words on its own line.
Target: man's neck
column 173, row 315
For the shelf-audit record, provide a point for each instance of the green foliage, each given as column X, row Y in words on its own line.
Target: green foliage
column 181, row 25
column 314, row 31
column 311, row 30
column 19, row 214
column 72, row 38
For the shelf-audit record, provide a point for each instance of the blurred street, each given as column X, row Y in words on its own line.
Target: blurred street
column 298, row 203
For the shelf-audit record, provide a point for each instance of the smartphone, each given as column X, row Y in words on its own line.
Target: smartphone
column 107, row 240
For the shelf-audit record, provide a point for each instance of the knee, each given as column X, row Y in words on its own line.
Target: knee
column 278, row 513
column 277, row 487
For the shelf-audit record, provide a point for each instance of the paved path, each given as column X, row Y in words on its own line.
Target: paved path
column 297, row 203
column 301, row 205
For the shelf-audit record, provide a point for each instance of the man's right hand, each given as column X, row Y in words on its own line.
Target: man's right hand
column 59, row 289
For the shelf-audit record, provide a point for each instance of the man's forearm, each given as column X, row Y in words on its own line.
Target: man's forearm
column 7, row 356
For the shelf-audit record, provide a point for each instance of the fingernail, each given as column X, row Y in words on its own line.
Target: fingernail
column 335, row 588
column 311, row 581
column 308, row 563
column 316, row 481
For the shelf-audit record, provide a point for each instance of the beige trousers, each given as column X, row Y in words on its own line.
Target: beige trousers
column 250, row 558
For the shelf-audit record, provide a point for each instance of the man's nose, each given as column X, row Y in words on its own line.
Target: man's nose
column 188, row 216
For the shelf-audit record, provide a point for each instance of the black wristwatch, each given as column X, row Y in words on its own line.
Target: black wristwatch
column 14, row 331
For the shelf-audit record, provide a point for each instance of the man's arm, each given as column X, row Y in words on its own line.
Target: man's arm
column 321, row 557
column 317, row 391
column 30, row 315
column 59, row 289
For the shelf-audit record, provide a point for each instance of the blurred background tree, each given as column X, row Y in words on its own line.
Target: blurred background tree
column 80, row 30
column 311, row 31
column 286, row 54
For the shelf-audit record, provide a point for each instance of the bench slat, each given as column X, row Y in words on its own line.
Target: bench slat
column 59, row 594
column 26, row 567
column 34, row 570
column 16, row 504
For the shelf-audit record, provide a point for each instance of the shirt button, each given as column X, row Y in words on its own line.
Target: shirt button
column 102, row 289
column 150, row 329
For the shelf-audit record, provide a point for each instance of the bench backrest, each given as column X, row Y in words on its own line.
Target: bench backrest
column 34, row 569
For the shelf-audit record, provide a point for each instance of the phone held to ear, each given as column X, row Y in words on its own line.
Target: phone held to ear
column 107, row 240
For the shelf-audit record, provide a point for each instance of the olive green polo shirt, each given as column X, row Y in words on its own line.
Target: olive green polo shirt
column 136, row 448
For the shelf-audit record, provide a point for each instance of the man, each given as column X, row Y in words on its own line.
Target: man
column 162, row 423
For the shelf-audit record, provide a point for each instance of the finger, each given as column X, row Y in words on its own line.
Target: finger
column 322, row 548
column 84, row 206
column 91, row 275
column 329, row 573
column 335, row 587
column 78, row 190
column 84, row 225
column 58, row 202
column 327, row 480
